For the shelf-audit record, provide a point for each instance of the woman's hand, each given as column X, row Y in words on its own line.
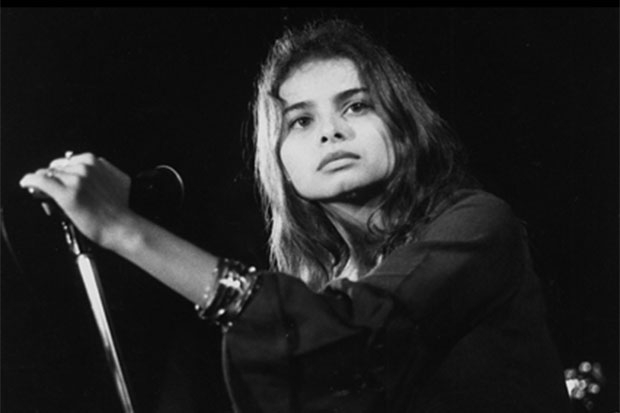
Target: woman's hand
column 95, row 196
column 92, row 192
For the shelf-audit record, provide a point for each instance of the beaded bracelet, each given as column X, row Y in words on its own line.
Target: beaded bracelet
column 235, row 284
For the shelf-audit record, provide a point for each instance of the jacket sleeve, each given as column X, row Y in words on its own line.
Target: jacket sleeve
column 465, row 264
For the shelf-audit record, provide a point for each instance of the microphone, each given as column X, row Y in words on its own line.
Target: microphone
column 156, row 193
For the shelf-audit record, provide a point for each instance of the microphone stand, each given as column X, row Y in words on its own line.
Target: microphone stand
column 149, row 188
column 90, row 277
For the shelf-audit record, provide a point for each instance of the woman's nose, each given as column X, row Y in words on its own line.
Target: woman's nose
column 333, row 129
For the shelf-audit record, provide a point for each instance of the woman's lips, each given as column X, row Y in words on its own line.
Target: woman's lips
column 334, row 156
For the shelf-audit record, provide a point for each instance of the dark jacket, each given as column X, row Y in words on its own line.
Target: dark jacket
column 453, row 321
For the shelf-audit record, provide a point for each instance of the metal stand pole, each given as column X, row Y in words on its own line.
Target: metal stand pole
column 161, row 187
column 90, row 276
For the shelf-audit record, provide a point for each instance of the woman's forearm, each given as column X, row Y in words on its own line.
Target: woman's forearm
column 177, row 263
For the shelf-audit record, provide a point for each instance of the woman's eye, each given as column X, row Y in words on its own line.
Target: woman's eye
column 300, row 122
column 358, row 107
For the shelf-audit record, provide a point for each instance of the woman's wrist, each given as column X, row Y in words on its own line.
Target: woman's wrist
column 227, row 292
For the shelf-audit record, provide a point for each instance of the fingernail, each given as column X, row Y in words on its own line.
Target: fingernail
column 21, row 181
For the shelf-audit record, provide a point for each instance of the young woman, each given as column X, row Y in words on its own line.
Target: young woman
column 396, row 285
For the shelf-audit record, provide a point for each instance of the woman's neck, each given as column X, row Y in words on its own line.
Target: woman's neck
column 353, row 223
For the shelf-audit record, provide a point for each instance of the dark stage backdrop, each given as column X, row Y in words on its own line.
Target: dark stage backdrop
column 533, row 93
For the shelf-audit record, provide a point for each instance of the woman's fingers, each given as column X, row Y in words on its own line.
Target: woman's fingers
column 85, row 158
column 60, row 185
column 71, row 177
column 44, row 180
column 92, row 192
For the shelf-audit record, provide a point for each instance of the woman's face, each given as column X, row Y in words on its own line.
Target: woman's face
column 334, row 145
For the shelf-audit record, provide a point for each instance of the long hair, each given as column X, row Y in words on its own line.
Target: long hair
column 427, row 168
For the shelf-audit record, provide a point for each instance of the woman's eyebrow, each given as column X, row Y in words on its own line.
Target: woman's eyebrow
column 299, row 105
column 338, row 98
column 347, row 94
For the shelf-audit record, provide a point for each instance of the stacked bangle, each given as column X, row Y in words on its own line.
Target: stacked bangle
column 235, row 284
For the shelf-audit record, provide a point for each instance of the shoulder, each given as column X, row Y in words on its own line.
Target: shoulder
column 471, row 213
column 475, row 202
column 471, row 229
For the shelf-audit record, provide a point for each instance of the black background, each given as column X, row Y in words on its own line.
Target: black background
column 532, row 92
